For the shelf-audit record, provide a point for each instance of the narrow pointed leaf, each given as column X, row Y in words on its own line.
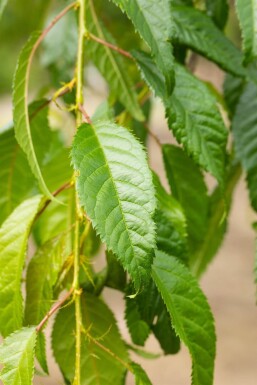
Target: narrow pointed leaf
column 13, row 244
column 112, row 66
column 97, row 365
column 195, row 29
column 244, row 128
column 190, row 313
column 191, row 192
column 17, row 355
column 218, row 10
column 140, row 375
column 247, row 14
column 153, row 21
column 115, row 188
column 21, row 113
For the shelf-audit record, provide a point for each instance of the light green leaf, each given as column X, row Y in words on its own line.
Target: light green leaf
column 97, row 366
column 112, row 66
column 244, row 128
column 196, row 122
column 191, row 192
column 247, row 14
column 140, row 375
column 190, row 313
column 13, row 243
column 41, row 276
column 21, row 113
column 17, row 355
column 193, row 115
column 153, row 20
column 218, row 10
column 2, row 6
column 16, row 179
column 195, row 29
column 115, row 188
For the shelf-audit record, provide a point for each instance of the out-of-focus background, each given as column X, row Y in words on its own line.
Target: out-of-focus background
column 228, row 283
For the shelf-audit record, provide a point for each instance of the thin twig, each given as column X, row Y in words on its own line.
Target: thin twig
column 65, row 186
column 152, row 134
column 85, row 114
column 54, row 309
column 111, row 46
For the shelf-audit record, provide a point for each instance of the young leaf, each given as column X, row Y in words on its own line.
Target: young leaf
column 140, row 375
column 21, row 113
column 13, row 242
column 195, row 29
column 112, row 66
column 218, row 10
column 16, row 179
column 153, row 21
column 190, row 313
column 247, row 14
column 192, row 114
column 191, row 192
column 97, row 365
column 115, row 188
column 17, row 355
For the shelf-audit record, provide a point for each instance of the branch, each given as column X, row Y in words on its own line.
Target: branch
column 53, row 310
column 111, row 46
column 85, row 114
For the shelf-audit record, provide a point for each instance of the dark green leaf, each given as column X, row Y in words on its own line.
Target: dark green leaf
column 247, row 14
column 153, row 20
column 97, row 366
column 17, row 355
column 139, row 330
column 112, row 66
column 190, row 313
column 190, row 191
column 13, row 244
column 195, row 29
column 115, row 188
column 218, row 10
column 116, row 276
column 233, row 88
column 244, row 127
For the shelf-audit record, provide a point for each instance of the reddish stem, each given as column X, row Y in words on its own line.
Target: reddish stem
column 111, row 46
column 85, row 114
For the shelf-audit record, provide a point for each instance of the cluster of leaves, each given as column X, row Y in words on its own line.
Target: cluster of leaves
column 70, row 202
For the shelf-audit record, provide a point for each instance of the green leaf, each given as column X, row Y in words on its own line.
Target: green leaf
column 16, row 179
column 244, row 128
column 115, row 188
column 195, row 29
column 233, row 88
column 17, row 355
column 97, row 366
column 196, row 122
column 190, row 313
column 191, row 192
column 139, row 330
column 41, row 276
column 247, row 14
column 13, row 243
column 112, row 66
column 192, row 114
column 218, row 10
column 21, row 113
column 153, row 20
column 140, row 375
column 116, row 276
column 2, row 6
column 216, row 227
